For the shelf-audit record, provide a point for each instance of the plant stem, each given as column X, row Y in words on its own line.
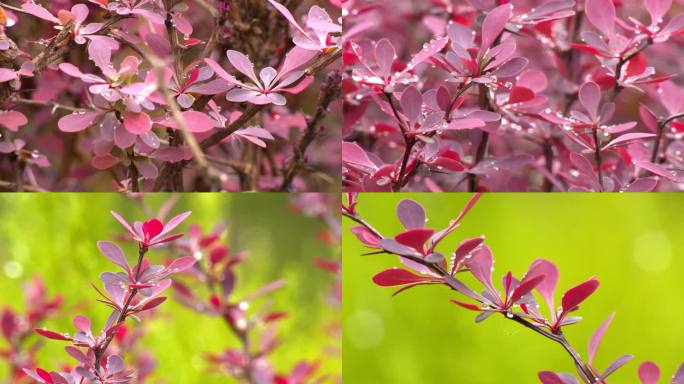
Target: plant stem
column 409, row 142
column 484, row 140
column 597, row 157
column 99, row 352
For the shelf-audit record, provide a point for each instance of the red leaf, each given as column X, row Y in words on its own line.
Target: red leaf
column 469, row 306
column 526, row 286
column 415, row 238
column 577, row 294
column 153, row 303
column 274, row 316
column 44, row 375
column 520, row 95
column 51, row 334
column 397, row 276
column 152, row 228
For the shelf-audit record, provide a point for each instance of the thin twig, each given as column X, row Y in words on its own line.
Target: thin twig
column 331, row 90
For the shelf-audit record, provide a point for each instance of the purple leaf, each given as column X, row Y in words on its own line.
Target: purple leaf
column 615, row 365
column 678, row 377
column 114, row 254
column 411, row 214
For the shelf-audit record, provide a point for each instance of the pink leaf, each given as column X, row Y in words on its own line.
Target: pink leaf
column 660, row 170
column 597, row 337
column 493, row 25
column 547, row 287
column 649, row 373
column 243, row 64
column 411, row 103
column 104, row 161
column 82, row 323
column 137, row 123
column 657, row 9
column 78, row 121
column 197, row 122
column 480, row 264
column 181, row 264
column 7, row 74
column 352, row 153
column 547, row 377
column 601, row 14
column 40, row 12
column 627, row 137
column 590, row 97
column 426, row 53
column 12, row 120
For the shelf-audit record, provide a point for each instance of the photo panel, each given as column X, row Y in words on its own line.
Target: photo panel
column 192, row 288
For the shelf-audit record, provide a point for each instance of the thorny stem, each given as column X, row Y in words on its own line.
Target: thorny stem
column 586, row 372
column 99, row 352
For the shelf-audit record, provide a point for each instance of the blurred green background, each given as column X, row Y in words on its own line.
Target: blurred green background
column 55, row 235
column 632, row 243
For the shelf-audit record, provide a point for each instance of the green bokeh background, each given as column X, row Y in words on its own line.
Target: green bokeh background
column 632, row 243
column 55, row 235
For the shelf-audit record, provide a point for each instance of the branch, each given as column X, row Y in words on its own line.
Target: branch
column 331, row 89
column 583, row 367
